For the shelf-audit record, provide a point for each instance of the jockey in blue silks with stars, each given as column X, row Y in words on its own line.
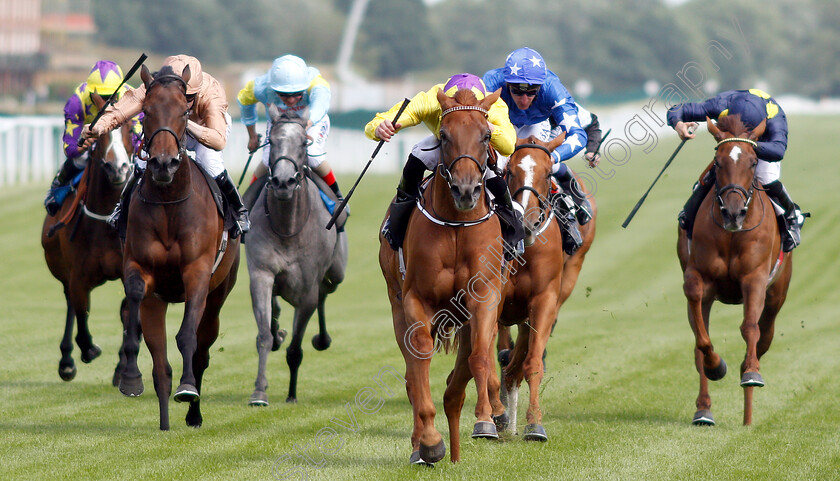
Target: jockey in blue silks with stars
column 535, row 96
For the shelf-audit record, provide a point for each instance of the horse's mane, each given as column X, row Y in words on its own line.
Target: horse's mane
column 733, row 125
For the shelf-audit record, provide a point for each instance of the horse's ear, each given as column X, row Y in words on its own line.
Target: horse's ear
column 714, row 130
column 274, row 112
column 145, row 75
column 186, row 75
column 445, row 100
column 491, row 99
column 97, row 100
column 556, row 141
column 758, row 131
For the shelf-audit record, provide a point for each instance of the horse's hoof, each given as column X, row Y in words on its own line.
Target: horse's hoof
column 432, row 454
column 504, row 357
column 703, row 417
column 91, row 353
column 131, row 387
column 67, row 372
column 502, row 421
column 279, row 338
column 485, row 429
column 752, row 379
column 186, row 393
column 417, row 460
column 258, row 399
column 717, row 373
column 320, row 342
column 291, row 400
column 534, row 432
column 194, row 421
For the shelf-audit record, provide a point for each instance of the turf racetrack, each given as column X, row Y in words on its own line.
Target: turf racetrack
column 618, row 395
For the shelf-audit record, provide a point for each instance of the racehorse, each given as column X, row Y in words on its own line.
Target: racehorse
column 452, row 281
column 289, row 251
column 734, row 257
column 88, row 252
column 539, row 287
column 176, row 250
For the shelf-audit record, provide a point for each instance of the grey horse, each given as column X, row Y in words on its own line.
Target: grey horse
column 290, row 252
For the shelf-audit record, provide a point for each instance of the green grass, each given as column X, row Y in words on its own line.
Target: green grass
column 618, row 393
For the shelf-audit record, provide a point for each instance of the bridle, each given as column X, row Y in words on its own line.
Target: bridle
column 545, row 219
column 446, row 170
column 180, row 138
column 299, row 168
column 747, row 195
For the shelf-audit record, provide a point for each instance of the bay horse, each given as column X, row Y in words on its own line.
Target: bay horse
column 539, row 287
column 176, row 250
column 452, row 281
column 289, row 252
column 87, row 253
column 735, row 257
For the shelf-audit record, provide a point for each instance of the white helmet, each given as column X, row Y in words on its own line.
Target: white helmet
column 289, row 74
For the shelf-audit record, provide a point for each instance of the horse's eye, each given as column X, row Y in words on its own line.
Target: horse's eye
column 443, row 136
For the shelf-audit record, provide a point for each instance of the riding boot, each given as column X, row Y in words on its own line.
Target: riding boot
column 116, row 220
column 513, row 232
column 793, row 217
column 243, row 224
column 340, row 197
column 686, row 216
column 402, row 206
column 570, row 185
column 53, row 200
column 564, row 207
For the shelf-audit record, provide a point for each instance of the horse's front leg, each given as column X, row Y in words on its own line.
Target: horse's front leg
column 710, row 366
column 153, row 317
column 66, row 366
column 137, row 285
column 262, row 283
column 196, row 288
column 483, row 334
column 541, row 315
column 417, row 346
column 754, row 290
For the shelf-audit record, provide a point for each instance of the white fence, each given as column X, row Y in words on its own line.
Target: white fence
column 31, row 150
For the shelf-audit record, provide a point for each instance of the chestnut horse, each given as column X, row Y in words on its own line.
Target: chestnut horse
column 452, row 280
column 176, row 250
column 735, row 257
column 87, row 253
column 539, row 287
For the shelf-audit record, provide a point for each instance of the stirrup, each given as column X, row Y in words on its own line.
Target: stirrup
column 114, row 218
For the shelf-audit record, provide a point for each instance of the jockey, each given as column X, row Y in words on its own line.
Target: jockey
column 104, row 78
column 424, row 107
column 541, row 106
column 207, row 129
column 753, row 106
column 291, row 85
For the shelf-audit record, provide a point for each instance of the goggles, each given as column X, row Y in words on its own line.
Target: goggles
column 289, row 95
column 524, row 89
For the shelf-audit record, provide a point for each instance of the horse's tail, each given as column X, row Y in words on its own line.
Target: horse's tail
column 446, row 336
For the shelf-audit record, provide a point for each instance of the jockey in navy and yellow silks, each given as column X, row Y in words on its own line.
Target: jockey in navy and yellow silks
column 292, row 86
column 425, row 108
column 104, row 78
column 753, row 106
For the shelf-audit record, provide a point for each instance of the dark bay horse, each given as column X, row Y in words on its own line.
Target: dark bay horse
column 735, row 257
column 452, row 281
column 176, row 250
column 86, row 252
column 290, row 254
column 538, row 287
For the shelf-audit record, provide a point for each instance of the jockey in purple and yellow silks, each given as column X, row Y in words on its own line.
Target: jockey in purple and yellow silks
column 541, row 106
column 424, row 107
column 292, row 86
column 104, row 78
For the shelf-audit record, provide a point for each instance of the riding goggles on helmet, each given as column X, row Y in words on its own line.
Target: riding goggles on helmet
column 523, row 89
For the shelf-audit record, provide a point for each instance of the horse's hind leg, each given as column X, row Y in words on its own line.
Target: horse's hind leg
column 121, row 355
column 80, row 300
column 322, row 340
column 294, row 353
column 66, row 366
column 277, row 335
column 453, row 397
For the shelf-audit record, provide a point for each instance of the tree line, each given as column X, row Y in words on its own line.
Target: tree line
column 789, row 46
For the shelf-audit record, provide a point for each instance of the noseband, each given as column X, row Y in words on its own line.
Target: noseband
column 446, row 171
column 182, row 138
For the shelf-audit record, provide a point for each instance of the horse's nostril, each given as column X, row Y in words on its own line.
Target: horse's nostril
column 476, row 192
column 456, row 191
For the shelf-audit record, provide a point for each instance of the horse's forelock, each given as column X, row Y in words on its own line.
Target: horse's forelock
column 465, row 97
column 733, row 125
